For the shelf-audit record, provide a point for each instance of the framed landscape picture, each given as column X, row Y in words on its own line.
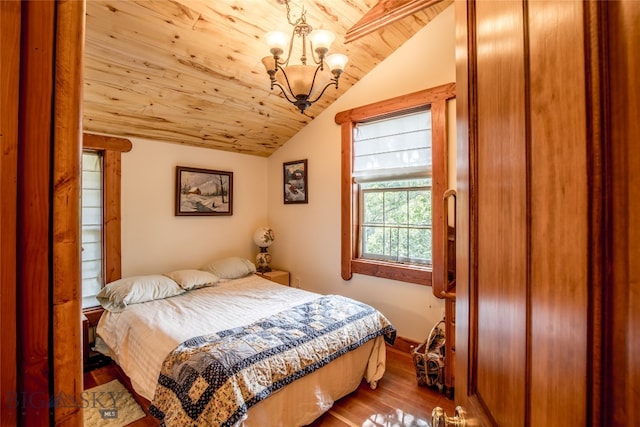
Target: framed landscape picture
column 295, row 176
column 202, row 192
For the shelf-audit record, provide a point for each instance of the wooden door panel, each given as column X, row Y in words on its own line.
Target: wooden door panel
column 501, row 212
column 559, row 212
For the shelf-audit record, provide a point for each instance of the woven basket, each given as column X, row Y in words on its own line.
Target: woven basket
column 428, row 358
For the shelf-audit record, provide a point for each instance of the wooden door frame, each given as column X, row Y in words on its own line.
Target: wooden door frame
column 619, row 379
column 466, row 221
column 66, row 189
column 10, row 27
column 35, row 144
column 41, row 147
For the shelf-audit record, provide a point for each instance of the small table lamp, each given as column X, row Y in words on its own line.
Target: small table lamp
column 263, row 237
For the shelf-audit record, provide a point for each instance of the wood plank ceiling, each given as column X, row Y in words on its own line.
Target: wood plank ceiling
column 190, row 72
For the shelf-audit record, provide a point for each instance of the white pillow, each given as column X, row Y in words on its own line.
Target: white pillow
column 117, row 295
column 193, row 279
column 230, row 268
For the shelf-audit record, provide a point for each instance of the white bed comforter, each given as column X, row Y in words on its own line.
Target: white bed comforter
column 140, row 338
column 144, row 334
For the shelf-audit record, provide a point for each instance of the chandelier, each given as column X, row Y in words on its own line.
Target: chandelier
column 302, row 84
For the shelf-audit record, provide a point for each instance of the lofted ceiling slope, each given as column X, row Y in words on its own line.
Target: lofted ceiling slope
column 190, row 72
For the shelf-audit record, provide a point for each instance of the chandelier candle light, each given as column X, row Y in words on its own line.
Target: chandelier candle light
column 263, row 237
column 303, row 84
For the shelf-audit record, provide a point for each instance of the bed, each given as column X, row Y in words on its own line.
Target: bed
column 244, row 351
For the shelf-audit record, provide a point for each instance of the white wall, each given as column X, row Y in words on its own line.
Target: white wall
column 308, row 235
column 154, row 240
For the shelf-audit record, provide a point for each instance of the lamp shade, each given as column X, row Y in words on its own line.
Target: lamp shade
column 277, row 42
column 269, row 63
column 336, row 62
column 321, row 40
column 263, row 237
column 299, row 79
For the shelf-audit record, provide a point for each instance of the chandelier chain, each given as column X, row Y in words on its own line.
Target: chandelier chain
column 303, row 15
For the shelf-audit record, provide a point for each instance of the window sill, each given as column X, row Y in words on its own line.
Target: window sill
column 400, row 272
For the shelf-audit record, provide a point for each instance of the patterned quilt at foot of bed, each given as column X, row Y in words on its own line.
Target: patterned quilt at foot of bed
column 214, row 379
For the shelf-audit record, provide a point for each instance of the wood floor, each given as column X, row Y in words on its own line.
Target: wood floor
column 397, row 401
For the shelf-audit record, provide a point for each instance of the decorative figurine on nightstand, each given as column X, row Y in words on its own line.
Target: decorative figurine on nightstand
column 263, row 237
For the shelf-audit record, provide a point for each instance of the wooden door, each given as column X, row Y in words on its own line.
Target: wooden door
column 545, row 283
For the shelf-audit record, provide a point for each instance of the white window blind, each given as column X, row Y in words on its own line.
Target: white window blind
column 92, row 277
column 395, row 147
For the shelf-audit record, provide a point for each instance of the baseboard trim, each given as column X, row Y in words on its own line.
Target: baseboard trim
column 404, row 345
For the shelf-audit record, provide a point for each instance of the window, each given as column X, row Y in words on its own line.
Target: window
column 394, row 161
column 92, row 277
column 395, row 221
column 100, row 217
column 392, row 168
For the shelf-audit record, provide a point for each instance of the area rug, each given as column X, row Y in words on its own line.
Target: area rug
column 110, row 405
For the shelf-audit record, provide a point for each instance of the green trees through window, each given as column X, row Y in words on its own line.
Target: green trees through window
column 396, row 221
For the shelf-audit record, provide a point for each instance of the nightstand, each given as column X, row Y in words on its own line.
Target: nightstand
column 91, row 359
column 86, row 349
column 277, row 276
